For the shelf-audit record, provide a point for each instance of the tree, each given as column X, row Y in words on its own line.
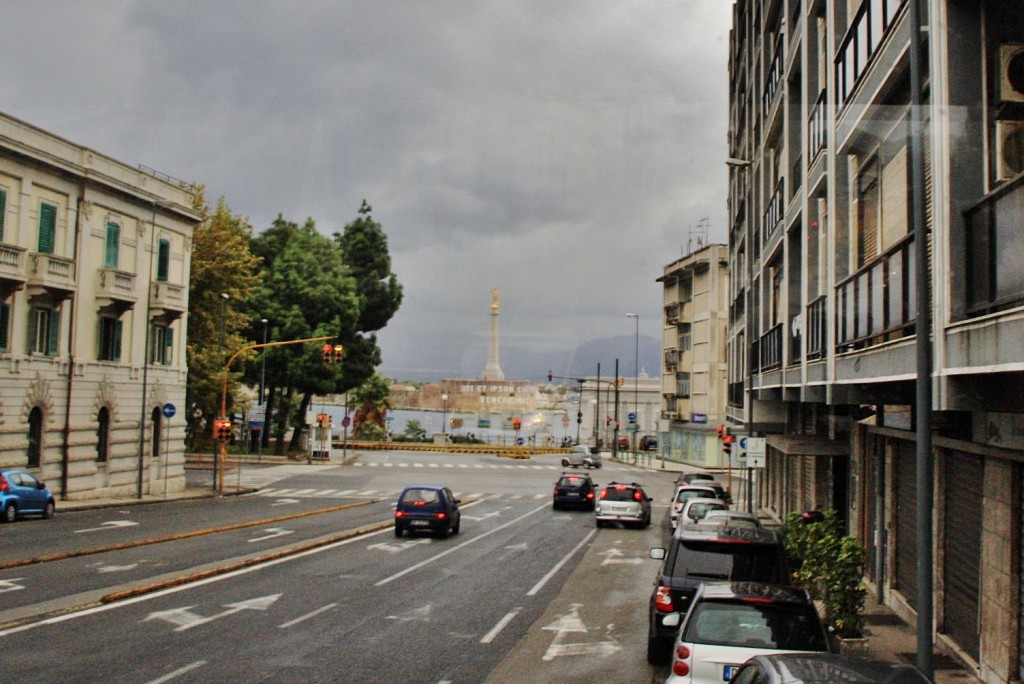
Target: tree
column 414, row 431
column 365, row 250
column 372, row 400
column 221, row 264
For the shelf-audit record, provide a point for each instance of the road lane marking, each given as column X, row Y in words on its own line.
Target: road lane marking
column 184, row 618
column 558, row 566
column 272, row 532
column 109, row 525
column 307, row 616
column 428, row 561
column 571, row 623
column 502, row 624
column 177, row 673
column 11, row 585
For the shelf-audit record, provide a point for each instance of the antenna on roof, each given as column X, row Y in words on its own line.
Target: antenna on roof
column 698, row 234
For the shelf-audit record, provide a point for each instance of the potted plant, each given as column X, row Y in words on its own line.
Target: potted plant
column 829, row 566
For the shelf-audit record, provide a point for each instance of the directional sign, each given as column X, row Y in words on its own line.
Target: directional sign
column 184, row 618
column 271, row 533
column 571, row 623
column 109, row 525
column 614, row 556
column 168, row 410
column 632, row 417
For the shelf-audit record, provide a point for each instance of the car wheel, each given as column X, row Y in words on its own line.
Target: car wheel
column 48, row 511
column 659, row 651
column 600, row 523
column 458, row 524
column 554, row 505
column 10, row 513
column 398, row 530
column 444, row 532
column 565, row 463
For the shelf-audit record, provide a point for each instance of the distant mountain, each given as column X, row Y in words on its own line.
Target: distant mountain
column 523, row 364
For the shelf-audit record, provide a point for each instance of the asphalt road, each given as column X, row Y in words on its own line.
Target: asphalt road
column 304, row 581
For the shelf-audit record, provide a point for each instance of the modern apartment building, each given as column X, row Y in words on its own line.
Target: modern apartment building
column 824, row 319
column 695, row 295
column 94, row 271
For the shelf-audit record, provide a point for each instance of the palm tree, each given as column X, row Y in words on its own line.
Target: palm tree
column 372, row 400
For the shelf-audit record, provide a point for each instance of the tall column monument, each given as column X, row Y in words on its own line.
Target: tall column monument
column 493, row 370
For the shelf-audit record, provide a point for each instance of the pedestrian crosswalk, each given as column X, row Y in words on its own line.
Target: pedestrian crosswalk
column 384, row 494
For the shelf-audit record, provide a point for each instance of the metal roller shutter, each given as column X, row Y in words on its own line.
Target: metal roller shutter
column 964, row 477
column 906, row 521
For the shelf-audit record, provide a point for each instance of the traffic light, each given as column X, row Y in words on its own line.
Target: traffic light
column 516, row 424
column 620, row 381
column 323, row 420
column 550, row 376
column 721, row 431
column 339, row 352
column 727, row 444
column 607, row 421
column 222, row 429
column 327, row 353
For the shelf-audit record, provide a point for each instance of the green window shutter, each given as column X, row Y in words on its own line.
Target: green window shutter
column 168, row 345
column 113, row 245
column 117, row 341
column 47, row 227
column 163, row 262
column 5, row 325
column 3, row 211
column 54, row 341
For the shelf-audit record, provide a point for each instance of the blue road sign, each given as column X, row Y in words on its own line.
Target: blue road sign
column 631, row 416
column 169, row 410
column 520, row 441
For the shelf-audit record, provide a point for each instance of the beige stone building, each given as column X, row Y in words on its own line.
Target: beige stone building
column 94, row 269
column 693, row 374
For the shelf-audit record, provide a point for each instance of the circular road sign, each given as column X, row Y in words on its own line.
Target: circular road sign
column 169, row 410
column 346, row 421
column 631, row 416
column 520, row 441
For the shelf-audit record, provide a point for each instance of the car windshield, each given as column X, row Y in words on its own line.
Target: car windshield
column 420, row 497
column 793, row 627
column 729, row 561
column 620, row 494
column 700, row 509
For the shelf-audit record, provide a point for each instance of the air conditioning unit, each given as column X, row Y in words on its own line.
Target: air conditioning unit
column 1011, row 72
column 1009, row 149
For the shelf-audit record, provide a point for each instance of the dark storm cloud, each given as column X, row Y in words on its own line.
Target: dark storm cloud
column 557, row 151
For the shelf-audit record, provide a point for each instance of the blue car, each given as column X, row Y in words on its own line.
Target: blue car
column 427, row 508
column 22, row 494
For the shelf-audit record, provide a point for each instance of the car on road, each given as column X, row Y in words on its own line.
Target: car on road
column 574, row 491
column 623, row 502
column 701, row 553
column 730, row 622
column 622, row 443
column 427, row 508
column 692, row 477
column 684, row 494
column 824, row 668
column 21, row 494
column 695, row 509
column 648, row 443
column 733, row 517
column 583, row 456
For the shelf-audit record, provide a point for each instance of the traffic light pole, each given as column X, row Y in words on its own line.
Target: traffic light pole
column 222, row 449
column 597, row 394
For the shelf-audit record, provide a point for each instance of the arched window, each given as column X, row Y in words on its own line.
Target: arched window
column 102, row 435
column 158, row 418
column 35, row 438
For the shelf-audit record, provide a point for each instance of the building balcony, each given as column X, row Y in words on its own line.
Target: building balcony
column 116, row 288
column 772, row 214
column 868, row 29
column 773, row 81
column 817, row 328
column 817, row 128
column 51, row 274
column 878, row 302
column 995, row 277
column 167, row 300
column 770, row 348
column 12, row 269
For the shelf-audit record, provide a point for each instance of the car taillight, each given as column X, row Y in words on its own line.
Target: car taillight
column 680, row 667
column 638, row 496
column 663, row 599
column 604, row 493
column 4, row 487
column 590, row 495
column 399, row 514
column 440, row 516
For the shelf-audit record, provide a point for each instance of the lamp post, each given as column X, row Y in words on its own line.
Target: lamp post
column 263, row 377
column 636, row 379
column 220, row 354
column 154, row 202
column 444, row 415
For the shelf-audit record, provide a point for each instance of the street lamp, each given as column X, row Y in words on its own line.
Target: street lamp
column 220, row 355
column 444, row 414
column 636, row 379
column 263, row 363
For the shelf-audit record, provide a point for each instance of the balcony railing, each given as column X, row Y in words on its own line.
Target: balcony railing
column 817, row 129
column 995, row 274
column 116, row 286
column 816, row 328
column 879, row 300
column 773, row 79
column 51, row 272
column 772, row 214
column 867, row 29
column 771, row 348
column 12, row 262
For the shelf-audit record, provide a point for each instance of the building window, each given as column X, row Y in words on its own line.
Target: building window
column 157, row 420
column 163, row 261
column 35, row 437
column 684, row 344
column 44, row 331
column 111, row 250
column 682, row 384
column 110, row 339
column 47, row 227
column 3, row 211
column 5, row 326
column 102, row 435
column 161, row 345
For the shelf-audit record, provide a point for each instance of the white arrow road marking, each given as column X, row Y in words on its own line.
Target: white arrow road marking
column 11, row 585
column 184, row 618
column 517, row 547
column 284, row 502
column 415, row 615
column 116, row 568
column 571, row 623
column 612, row 556
column 485, row 516
column 271, row 533
column 110, row 525
column 395, row 547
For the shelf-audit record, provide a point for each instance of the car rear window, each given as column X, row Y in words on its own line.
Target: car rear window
column 571, row 481
column 740, row 562
column 619, row 493
column 420, row 496
column 788, row 626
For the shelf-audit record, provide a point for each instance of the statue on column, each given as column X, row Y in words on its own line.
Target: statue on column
column 494, row 300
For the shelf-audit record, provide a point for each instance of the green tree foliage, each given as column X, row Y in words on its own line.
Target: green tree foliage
column 365, row 249
column 221, row 264
column 414, row 431
column 372, row 401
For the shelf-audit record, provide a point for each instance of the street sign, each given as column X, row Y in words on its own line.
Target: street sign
column 520, row 441
column 346, row 421
column 632, row 417
column 756, row 446
column 169, row 410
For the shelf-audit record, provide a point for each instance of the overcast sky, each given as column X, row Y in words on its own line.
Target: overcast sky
column 560, row 151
